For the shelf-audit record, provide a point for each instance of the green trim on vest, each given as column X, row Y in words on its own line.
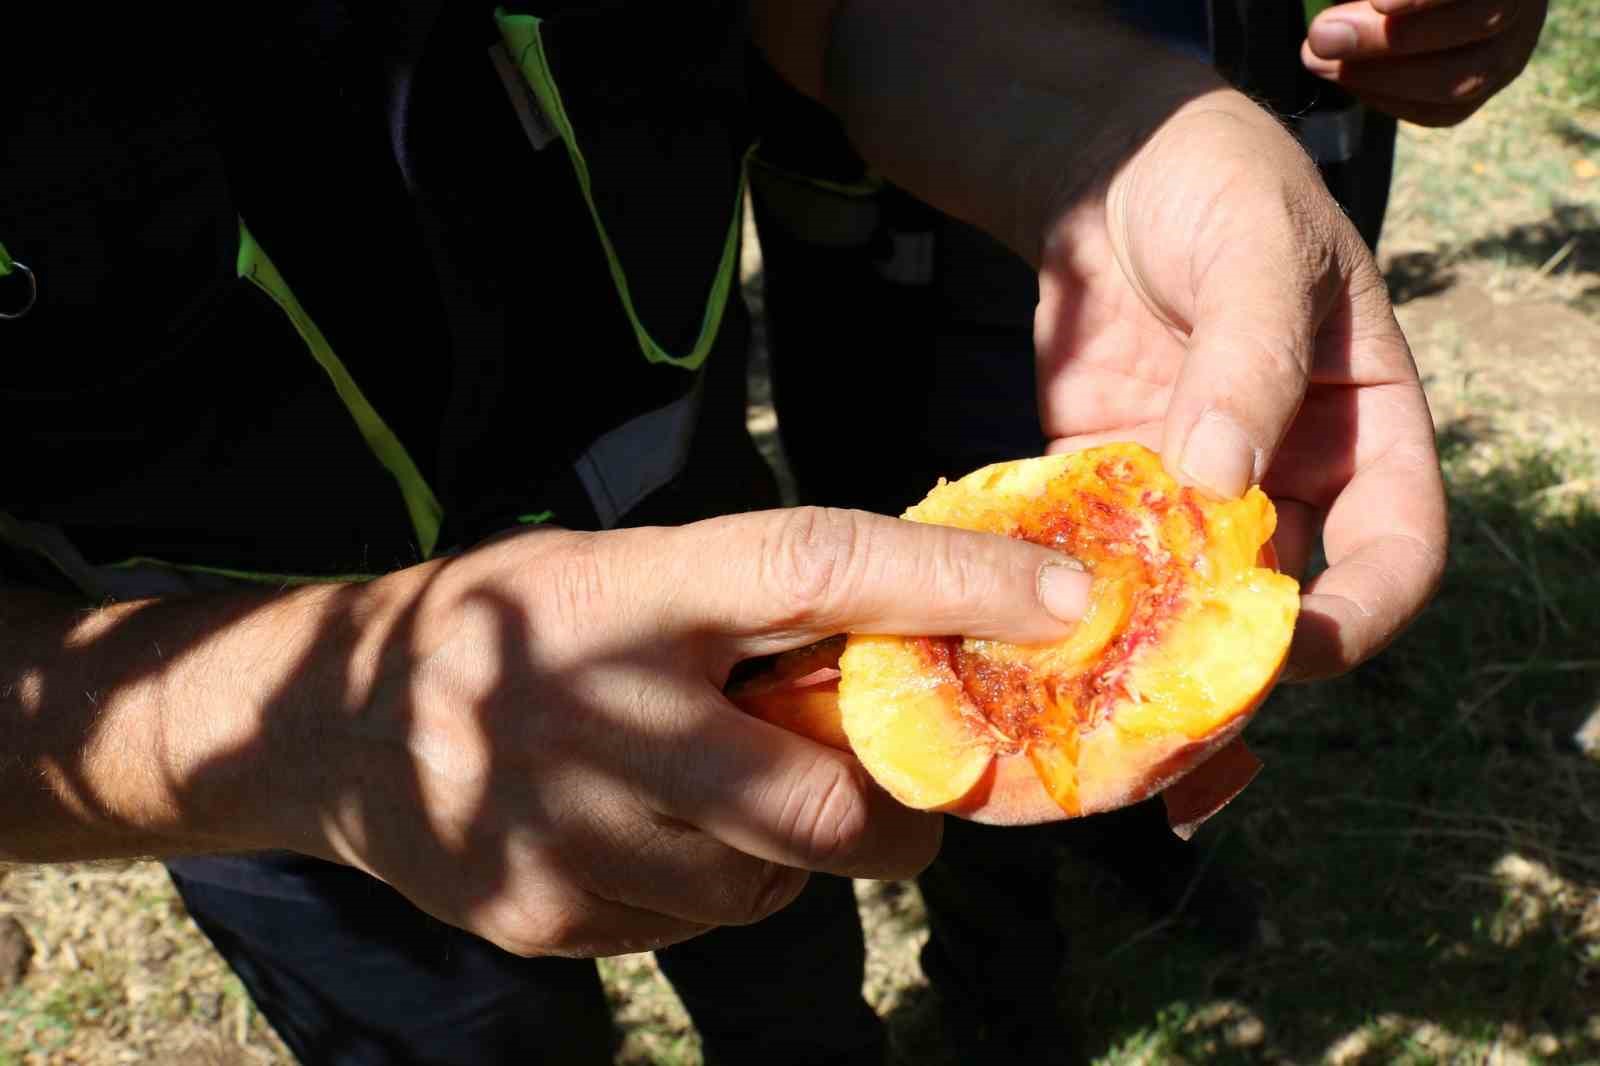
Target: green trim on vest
column 7, row 264
column 423, row 507
column 523, row 37
column 254, row 577
column 869, row 186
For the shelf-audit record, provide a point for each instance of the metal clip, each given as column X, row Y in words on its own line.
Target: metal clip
column 1331, row 136
column 33, row 292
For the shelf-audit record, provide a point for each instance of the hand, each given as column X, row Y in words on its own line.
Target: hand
column 545, row 757
column 1214, row 302
column 1433, row 62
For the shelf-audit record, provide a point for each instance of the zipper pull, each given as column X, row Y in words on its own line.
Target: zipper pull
column 19, row 289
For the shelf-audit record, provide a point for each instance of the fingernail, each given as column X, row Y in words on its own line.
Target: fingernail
column 1218, row 456
column 1064, row 590
column 1333, row 39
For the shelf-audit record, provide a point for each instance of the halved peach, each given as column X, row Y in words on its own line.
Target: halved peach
column 1185, row 633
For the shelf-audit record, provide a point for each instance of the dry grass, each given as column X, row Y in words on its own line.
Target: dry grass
column 119, row 974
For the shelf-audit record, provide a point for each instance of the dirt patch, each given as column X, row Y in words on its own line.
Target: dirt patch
column 1532, row 362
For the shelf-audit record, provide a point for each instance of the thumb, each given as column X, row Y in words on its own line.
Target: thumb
column 1238, row 390
column 778, row 579
column 1258, row 306
column 1246, row 255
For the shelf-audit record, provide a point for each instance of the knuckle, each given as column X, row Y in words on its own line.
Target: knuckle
column 772, row 888
column 826, row 816
column 556, row 929
column 959, row 576
column 1283, row 369
column 534, row 930
column 575, row 586
column 1268, row 373
column 809, row 561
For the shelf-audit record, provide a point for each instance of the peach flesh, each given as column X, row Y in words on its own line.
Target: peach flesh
column 1188, row 629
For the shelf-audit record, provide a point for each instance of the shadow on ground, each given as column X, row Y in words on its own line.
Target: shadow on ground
column 1574, row 135
column 1569, row 241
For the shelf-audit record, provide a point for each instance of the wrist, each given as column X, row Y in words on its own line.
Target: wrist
column 1256, row 185
column 1000, row 115
column 1090, row 177
column 242, row 732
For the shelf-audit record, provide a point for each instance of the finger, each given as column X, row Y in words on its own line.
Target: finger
column 1437, row 116
column 1399, row 7
column 672, row 868
column 1299, row 525
column 1361, row 31
column 771, row 794
column 1278, row 264
column 574, row 924
column 1461, row 77
column 770, row 581
column 1386, row 538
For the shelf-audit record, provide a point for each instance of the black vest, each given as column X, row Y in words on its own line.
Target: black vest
column 153, row 404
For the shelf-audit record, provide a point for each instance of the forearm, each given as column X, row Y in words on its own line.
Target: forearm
column 168, row 727
column 998, row 113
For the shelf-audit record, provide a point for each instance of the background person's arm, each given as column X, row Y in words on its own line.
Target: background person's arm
column 1432, row 62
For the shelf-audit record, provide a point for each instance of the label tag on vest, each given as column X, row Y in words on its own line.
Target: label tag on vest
column 539, row 129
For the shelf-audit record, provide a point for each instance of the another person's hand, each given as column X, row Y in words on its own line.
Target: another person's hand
column 1214, row 302
column 1433, row 62
column 543, row 754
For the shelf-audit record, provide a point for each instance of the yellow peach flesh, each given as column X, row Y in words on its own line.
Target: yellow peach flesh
column 1184, row 636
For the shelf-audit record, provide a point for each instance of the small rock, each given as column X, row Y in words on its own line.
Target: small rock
column 1246, row 1032
column 160, row 952
column 1587, row 736
column 16, row 952
column 207, row 1004
column 1268, row 935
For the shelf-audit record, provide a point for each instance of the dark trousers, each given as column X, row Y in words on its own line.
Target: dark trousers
column 351, row 974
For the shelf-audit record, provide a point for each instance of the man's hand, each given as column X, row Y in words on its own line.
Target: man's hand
column 1215, row 303
column 1200, row 291
column 549, row 761
column 528, row 740
column 1433, row 62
